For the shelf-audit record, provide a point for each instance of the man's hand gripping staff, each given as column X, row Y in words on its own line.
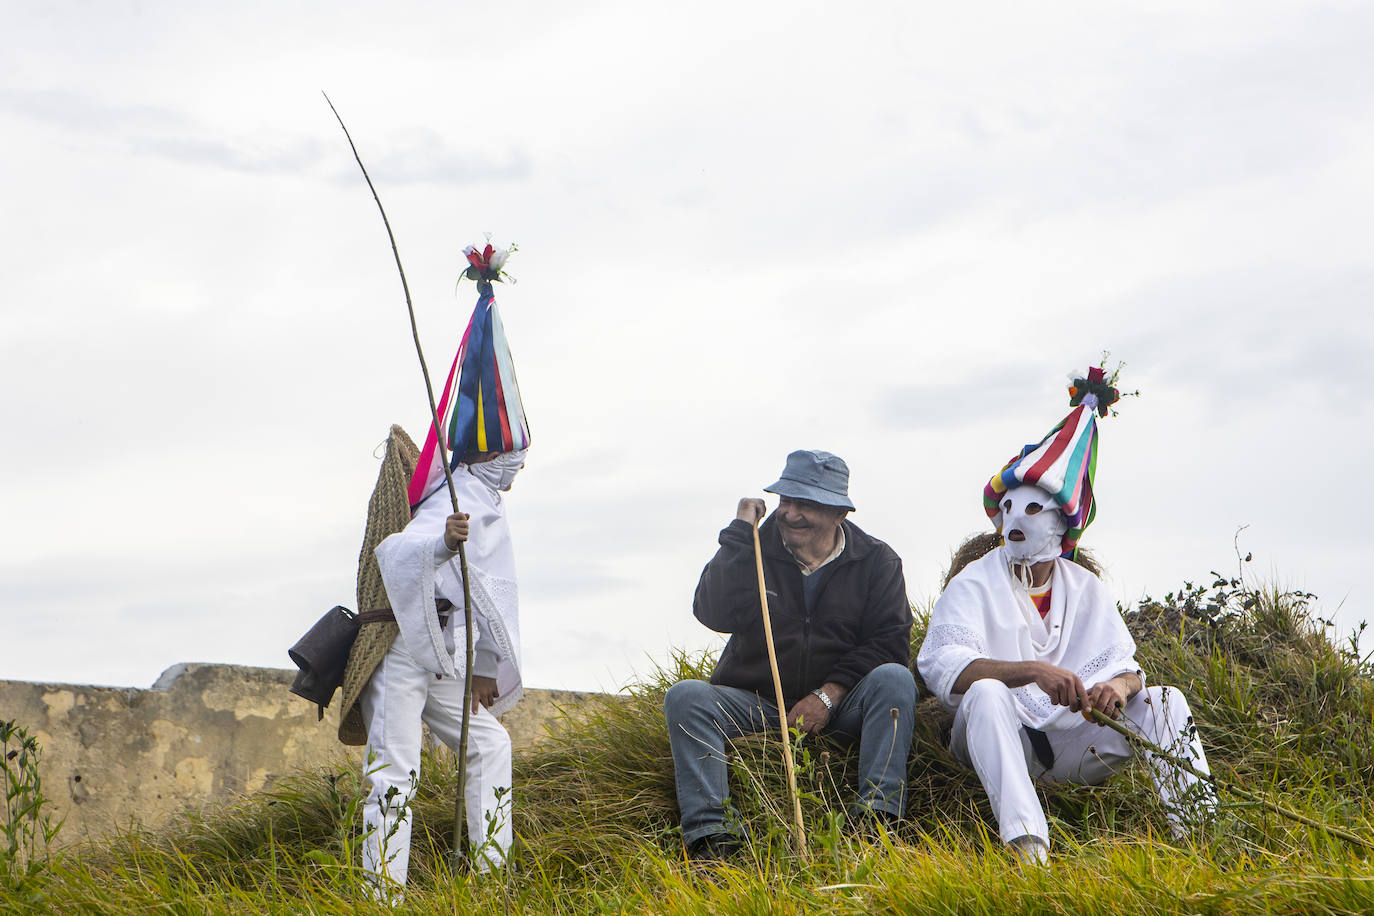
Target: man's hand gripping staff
column 810, row 714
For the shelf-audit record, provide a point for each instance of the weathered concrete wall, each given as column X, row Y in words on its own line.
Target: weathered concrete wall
column 204, row 735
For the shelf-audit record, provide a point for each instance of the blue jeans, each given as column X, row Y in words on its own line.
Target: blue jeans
column 702, row 717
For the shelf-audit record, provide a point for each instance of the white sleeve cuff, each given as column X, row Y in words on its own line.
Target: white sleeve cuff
column 485, row 662
column 441, row 552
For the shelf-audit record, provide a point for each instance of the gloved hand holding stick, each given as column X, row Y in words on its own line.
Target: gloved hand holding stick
column 460, row 836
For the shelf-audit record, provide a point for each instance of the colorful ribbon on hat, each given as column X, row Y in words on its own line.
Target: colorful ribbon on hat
column 1064, row 462
column 480, row 408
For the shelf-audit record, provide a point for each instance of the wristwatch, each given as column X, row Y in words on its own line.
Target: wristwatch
column 825, row 698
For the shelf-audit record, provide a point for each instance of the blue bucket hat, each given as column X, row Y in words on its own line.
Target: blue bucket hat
column 815, row 475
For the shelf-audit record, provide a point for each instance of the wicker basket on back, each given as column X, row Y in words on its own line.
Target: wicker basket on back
column 388, row 511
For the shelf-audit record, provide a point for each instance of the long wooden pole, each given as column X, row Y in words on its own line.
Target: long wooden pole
column 460, row 834
column 1187, row 766
column 798, row 829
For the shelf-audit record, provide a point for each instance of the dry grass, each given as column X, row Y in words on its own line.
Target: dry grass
column 1280, row 707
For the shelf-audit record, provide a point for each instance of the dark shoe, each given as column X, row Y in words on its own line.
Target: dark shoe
column 715, row 847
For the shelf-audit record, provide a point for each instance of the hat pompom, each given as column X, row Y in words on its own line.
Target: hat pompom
column 1095, row 390
column 487, row 263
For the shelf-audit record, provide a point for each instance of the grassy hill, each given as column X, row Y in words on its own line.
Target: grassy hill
column 1282, row 710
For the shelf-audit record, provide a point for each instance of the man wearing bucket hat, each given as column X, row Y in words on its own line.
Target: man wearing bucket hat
column 842, row 630
column 1024, row 638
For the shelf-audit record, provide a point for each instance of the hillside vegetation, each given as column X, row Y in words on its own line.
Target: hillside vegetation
column 1282, row 709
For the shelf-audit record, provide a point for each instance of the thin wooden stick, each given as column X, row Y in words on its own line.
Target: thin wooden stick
column 461, row 841
column 1186, row 765
column 782, row 706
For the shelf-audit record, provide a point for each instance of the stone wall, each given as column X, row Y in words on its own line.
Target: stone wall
column 202, row 736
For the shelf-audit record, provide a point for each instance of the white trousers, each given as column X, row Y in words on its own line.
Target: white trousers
column 989, row 739
column 400, row 695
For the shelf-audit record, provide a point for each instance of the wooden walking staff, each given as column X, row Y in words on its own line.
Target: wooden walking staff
column 461, row 840
column 782, row 706
column 1140, row 741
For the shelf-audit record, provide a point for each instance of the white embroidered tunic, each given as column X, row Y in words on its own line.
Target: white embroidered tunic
column 416, row 566
column 986, row 613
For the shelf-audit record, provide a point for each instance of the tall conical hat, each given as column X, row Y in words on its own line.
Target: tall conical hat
column 480, row 409
column 1064, row 462
column 388, row 511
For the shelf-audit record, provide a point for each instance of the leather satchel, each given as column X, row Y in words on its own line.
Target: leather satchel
column 322, row 655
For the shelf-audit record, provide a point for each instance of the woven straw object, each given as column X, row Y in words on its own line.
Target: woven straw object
column 388, row 511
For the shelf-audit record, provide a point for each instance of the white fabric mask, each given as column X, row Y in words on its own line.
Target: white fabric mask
column 1043, row 530
column 499, row 473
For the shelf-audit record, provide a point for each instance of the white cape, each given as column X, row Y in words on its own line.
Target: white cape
column 416, row 567
column 985, row 613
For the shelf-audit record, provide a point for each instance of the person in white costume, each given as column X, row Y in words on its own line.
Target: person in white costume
column 1024, row 643
column 421, row 677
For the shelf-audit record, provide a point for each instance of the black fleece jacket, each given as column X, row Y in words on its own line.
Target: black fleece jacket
column 861, row 618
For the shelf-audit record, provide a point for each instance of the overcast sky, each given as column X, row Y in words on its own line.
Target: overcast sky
column 887, row 230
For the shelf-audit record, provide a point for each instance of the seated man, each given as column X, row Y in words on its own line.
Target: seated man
column 1023, row 638
column 842, row 632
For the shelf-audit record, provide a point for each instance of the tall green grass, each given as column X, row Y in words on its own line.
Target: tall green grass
column 1280, row 707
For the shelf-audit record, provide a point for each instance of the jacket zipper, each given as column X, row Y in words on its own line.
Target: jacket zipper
column 806, row 628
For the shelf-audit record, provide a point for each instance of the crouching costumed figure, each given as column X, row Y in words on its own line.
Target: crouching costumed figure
column 1024, row 643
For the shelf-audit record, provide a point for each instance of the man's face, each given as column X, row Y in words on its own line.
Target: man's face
column 807, row 525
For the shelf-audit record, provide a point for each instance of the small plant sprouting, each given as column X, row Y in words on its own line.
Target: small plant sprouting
column 394, row 808
column 489, row 856
column 27, row 828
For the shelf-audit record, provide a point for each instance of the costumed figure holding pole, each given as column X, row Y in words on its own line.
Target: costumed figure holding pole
column 419, row 677
column 1024, row 639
